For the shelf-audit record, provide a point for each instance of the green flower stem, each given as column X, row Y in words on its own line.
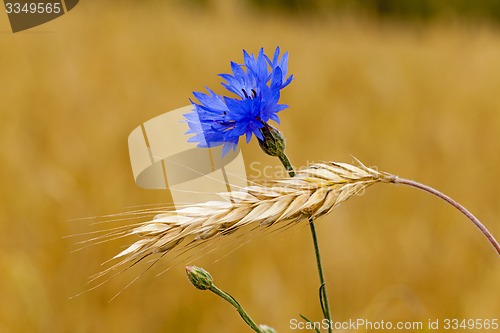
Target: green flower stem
column 286, row 163
column 323, row 295
column 201, row 279
column 230, row 299
column 272, row 143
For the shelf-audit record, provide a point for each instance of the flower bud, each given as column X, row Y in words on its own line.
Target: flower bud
column 274, row 142
column 199, row 277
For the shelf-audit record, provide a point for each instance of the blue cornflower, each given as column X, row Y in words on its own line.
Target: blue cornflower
column 221, row 120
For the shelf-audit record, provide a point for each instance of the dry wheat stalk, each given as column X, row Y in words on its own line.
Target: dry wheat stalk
column 313, row 192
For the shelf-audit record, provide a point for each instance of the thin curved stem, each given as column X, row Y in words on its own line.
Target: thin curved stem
column 231, row 300
column 462, row 209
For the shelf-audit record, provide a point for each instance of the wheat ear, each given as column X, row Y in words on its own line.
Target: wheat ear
column 312, row 193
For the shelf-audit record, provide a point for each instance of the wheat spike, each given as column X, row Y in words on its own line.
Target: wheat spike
column 313, row 192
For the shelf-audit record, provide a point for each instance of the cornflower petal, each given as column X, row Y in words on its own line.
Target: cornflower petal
column 221, row 120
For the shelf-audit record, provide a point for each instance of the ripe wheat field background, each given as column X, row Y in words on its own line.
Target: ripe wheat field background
column 418, row 100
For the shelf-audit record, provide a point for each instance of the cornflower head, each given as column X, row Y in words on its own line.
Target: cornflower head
column 221, row 120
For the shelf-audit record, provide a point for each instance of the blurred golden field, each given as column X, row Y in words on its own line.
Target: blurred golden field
column 420, row 101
